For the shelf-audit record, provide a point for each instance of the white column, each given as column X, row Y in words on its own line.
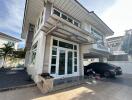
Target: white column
column 81, row 68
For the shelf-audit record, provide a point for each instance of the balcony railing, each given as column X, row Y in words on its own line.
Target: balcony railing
column 101, row 47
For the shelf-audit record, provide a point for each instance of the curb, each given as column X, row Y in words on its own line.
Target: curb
column 17, row 87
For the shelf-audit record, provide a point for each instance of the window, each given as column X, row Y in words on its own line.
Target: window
column 65, row 45
column 75, row 61
column 76, row 23
column 55, row 42
column 56, row 12
column 70, row 20
column 75, row 47
column 53, row 60
column 75, row 68
column 53, row 68
column 75, row 54
column 54, row 51
column 38, row 23
column 64, row 16
column 42, row 16
column 98, row 36
column 34, row 50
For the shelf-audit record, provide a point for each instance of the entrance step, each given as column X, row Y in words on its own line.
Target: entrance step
column 60, row 84
column 17, row 87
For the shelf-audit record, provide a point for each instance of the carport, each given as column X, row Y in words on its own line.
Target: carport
column 95, row 56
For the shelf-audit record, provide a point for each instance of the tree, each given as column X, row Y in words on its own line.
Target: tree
column 5, row 51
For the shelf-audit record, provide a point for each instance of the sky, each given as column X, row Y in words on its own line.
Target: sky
column 115, row 13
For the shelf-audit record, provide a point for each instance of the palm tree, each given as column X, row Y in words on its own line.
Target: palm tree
column 6, row 51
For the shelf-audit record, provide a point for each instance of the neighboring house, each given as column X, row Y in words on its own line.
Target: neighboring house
column 115, row 44
column 118, row 54
column 118, row 46
column 59, row 35
column 4, row 38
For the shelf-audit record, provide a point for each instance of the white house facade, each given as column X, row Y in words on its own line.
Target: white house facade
column 59, row 35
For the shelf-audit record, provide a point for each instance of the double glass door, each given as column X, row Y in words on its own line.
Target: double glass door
column 65, row 62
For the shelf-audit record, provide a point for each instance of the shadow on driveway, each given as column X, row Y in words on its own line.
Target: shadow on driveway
column 125, row 79
column 14, row 77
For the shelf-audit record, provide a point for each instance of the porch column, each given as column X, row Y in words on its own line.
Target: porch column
column 81, row 68
column 29, row 43
column 47, row 55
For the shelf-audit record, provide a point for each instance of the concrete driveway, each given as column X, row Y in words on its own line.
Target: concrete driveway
column 13, row 77
column 108, row 89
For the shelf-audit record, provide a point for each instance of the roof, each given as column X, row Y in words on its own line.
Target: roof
column 3, row 35
column 91, row 16
column 92, row 13
column 114, row 38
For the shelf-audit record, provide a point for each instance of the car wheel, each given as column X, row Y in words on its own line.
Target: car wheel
column 107, row 74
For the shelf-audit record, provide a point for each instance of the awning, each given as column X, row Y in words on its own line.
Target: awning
column 61, row 28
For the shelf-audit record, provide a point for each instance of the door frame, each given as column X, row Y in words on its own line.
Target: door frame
column 56, row 76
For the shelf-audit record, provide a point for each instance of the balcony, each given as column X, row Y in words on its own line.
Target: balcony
column 95, row 51
column 100, row 47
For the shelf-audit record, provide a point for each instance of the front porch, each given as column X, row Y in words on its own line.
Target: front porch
column 48, row 84
column 13, row 78
column 70, row 82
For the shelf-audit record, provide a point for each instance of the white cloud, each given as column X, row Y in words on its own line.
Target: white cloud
column 14, row 16
column 119, row 16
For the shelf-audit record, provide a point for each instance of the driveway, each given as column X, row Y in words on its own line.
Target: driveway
column 116, row 89
column 14, row 77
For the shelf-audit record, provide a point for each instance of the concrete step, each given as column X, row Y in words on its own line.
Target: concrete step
column 17, row 87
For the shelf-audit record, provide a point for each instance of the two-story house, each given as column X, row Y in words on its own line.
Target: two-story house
column 59, row 35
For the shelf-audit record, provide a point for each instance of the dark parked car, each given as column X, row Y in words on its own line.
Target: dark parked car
column 104, row 69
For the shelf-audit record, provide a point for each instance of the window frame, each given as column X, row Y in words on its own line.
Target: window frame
column 68, row 17
column 34, row 50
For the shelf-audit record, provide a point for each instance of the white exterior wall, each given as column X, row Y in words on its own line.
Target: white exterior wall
column 125, row 65
column 86, row 26
column 37, row 68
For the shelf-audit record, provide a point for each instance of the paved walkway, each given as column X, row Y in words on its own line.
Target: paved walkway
column 118, row 89
column 13, row 78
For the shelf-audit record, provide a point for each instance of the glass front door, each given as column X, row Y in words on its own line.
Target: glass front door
column 69, row 62
column 62, row 61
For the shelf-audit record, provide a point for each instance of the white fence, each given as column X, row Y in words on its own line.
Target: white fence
column 17, row 63
column 125, row 65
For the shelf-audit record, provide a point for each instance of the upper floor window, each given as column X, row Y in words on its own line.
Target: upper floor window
column 98, row 36
column 42, row 16
column 76, row 24
column 34, row 52
column 66, row 17
column 57, row 12
column 64, row 44
column 70, row 20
